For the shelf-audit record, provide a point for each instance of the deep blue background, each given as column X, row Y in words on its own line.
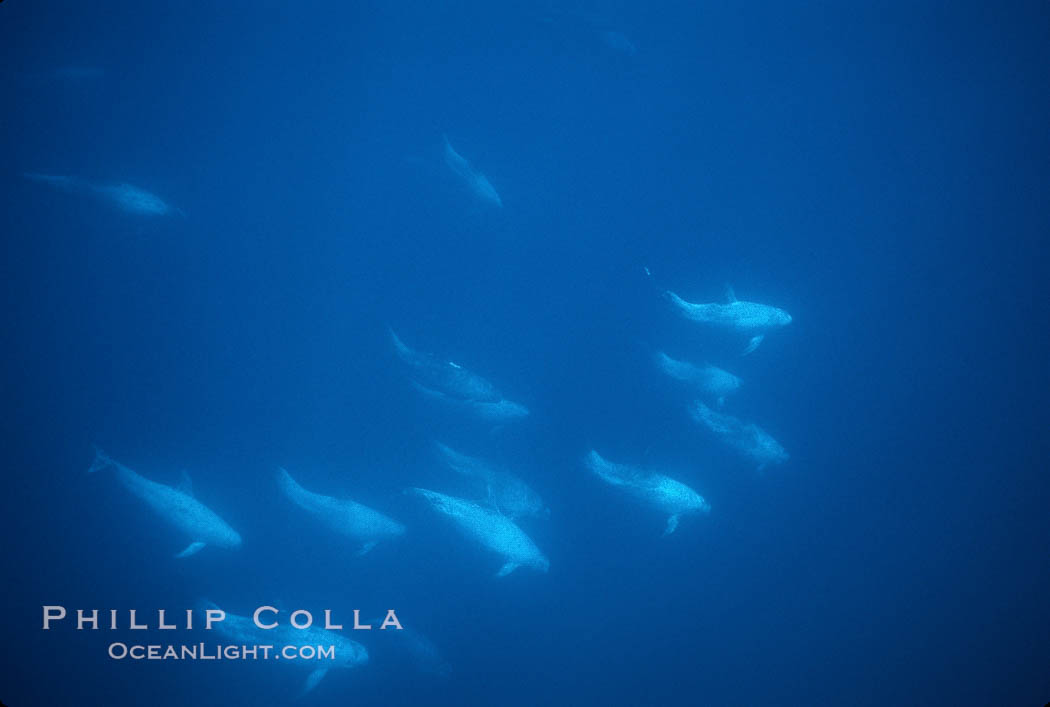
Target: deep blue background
column 879, row 172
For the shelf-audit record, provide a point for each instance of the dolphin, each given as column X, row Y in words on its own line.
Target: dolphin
column 446, row 377
column 749, row 318
column 477, row 182
column 175, row 505
column 243, row 630
column 747, row 438
column 499, row 411
column 709, row 379
column 455, row 386
column 490, row 528
column 126, row 197
column 666, row 494
column 511, row 496
column 344, row 516
column 416, row 649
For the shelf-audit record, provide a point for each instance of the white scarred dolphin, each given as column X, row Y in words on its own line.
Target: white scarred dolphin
column 666, row 494
column 477, row 182
column 175, row 505
column 746, row 437
column 342, row 515
column 243, row 630
column 126, row 197
column 490, row 528
column 511, row 496
column 748, row 318
column 709, row 379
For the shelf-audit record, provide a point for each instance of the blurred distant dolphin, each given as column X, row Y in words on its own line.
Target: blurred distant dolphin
column 344, row 516
column 666, row 494
column 749, row 318
column 244, row 631
column 452, row 384
column 499, row 411
column 478, row 184
column 124, row 196
column 707, row 378
column 415, row 648
column 491, row 528
column 446, row 377
column 511, row 496
column 747, row 438
column 175, row 505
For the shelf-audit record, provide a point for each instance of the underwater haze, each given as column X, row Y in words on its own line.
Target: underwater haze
column 633, row 354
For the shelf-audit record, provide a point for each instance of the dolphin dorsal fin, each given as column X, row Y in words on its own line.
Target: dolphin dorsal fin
column 312, row 679
column 185, row 483
column 730, row 295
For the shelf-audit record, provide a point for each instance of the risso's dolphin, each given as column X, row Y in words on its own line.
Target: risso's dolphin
column 712, row 380
column 343, row 516
column 446, row 377
column 490, row 528
column 510, row 495
column 666, row 494
column 749, row 318
column 415, row 649
column 126, row 197
column 746, row 437
column 454, row 385
column 243, row 630
column 499, row 411
column 175, row 505
column 477, row 182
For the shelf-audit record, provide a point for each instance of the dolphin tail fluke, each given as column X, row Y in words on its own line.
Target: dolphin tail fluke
column 312, row 679
column 672, row 524
column 753, row 344
column 191, row 549
column 100, row 462
column 366, row 548
column 507, row 569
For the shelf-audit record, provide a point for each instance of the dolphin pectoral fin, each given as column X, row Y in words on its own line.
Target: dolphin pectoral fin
column 192, row 549
column 672, row 524
column 367, row 547
column 185, row 483
column 507, row 569
column 312, row 679
column 753, row 344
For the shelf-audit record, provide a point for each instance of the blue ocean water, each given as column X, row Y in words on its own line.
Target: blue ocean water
column 213, row 218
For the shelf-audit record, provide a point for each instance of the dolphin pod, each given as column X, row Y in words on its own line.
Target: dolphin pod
column 490, row 528
column 126, row 197
column 475, row 181
column 712, row 380
column 346, row 517
column 454, row 385
column 511, row 496
column 746, row 437
column 243, row 630
column 749, row 318
column 662, row 492
column 177, row 506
